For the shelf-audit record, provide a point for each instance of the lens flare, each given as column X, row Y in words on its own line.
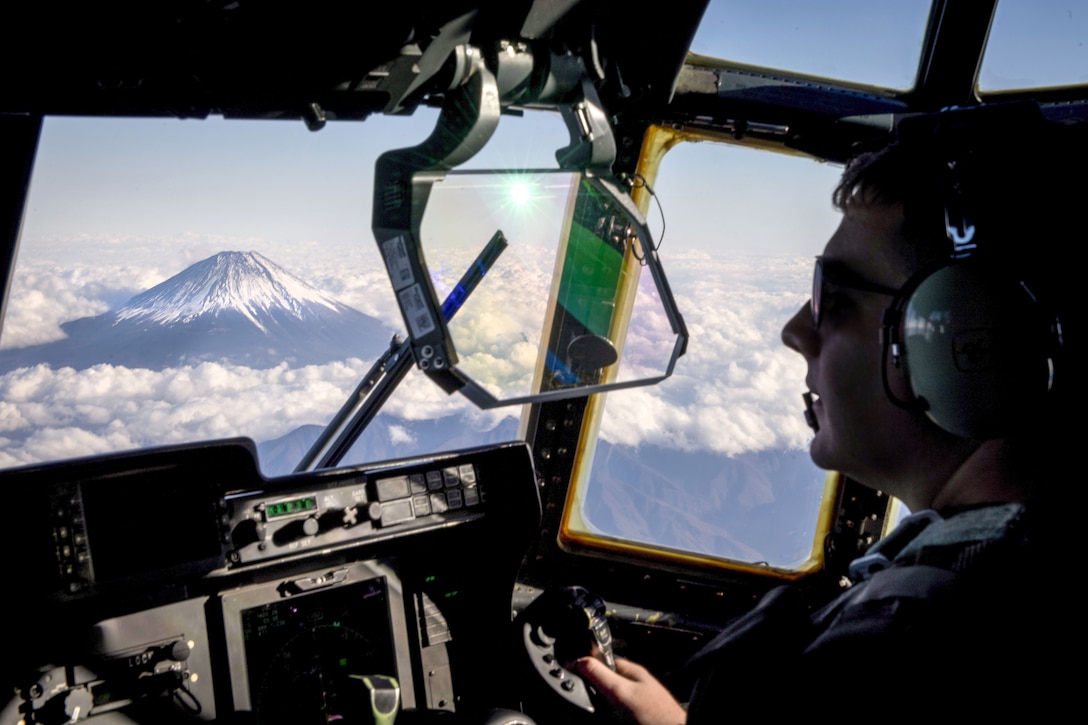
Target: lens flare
column 521, row 192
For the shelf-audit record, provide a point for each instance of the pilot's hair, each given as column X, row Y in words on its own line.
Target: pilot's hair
column 896, row 174
column 1024, row 200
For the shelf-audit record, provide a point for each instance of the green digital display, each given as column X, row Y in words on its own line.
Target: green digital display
column 290, row 507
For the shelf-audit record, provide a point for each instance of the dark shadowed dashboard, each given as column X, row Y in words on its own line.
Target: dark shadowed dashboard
column 179, row 583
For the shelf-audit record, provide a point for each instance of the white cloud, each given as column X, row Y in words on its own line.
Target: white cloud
column 398, row 434
column 11, row 418
column 41, row 299
column 116, row 407
column 71, row 442
column 738, row 388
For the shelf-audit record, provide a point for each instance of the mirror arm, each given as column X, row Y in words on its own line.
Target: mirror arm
column 401, row 189
column 592, row 146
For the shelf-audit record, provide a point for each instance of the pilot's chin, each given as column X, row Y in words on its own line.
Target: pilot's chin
column 820, row 454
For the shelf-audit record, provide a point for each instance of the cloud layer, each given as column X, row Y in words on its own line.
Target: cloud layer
column 736, row 390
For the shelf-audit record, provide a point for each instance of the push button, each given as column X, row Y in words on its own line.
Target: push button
column 434, row 480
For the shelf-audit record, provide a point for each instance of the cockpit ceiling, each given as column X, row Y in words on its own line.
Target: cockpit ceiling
column 271, row 59
column 257, row 59
column 336, row 59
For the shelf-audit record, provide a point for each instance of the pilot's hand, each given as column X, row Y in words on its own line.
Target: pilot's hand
column 633, row 692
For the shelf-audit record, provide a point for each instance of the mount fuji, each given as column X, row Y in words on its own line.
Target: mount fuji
column 235, row 307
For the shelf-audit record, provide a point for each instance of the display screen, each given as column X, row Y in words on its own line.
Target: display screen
column 305, row 654
column 141, row 523
column 294, row 506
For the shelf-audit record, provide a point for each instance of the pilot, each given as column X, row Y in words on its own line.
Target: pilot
column 935, row 355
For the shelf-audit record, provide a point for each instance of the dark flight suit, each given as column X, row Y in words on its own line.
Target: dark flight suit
column 939, row 601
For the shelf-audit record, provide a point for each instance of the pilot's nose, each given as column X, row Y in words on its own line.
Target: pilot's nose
column 799, row 334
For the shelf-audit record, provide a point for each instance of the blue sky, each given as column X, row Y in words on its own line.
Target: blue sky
column 271, row 180
column 271, row 183
column 875, row 42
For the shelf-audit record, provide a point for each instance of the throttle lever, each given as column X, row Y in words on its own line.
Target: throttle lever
column 559, row 627
column 594, row 609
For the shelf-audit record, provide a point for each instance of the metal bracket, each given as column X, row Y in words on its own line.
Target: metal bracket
column 592, row 146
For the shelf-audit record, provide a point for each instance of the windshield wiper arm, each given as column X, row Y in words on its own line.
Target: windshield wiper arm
column 386, row 373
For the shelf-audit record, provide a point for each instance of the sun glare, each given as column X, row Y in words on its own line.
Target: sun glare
column 520, row 192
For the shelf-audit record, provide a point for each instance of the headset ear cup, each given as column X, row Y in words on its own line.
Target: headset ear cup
column 976, row 349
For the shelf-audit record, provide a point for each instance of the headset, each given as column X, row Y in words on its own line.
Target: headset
column 976, row 346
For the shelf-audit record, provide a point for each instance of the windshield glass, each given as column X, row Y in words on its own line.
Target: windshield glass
column 1035, row 45
column 714, row 461
column 187, row 280
column 857, row 41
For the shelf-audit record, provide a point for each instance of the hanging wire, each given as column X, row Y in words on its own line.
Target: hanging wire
column 638, row 181
column 185, row 698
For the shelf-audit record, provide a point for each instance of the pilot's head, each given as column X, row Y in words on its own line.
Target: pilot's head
column 916, row 360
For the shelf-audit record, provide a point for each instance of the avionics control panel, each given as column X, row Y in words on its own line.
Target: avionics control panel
column 180, row 585
column 348, row 509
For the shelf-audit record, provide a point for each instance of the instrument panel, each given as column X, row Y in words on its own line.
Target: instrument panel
column 180, row 585
column 300, row 647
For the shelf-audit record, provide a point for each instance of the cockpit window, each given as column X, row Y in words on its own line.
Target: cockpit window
column 1035, row 45
column 857, row 41
column 713, row 463
column 187, row 280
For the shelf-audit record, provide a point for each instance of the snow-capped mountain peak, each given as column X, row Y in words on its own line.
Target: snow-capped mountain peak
column 243, row 282
column 234, row 307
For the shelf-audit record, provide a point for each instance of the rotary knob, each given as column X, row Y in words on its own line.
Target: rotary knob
column 247, row 531
column 69, row 706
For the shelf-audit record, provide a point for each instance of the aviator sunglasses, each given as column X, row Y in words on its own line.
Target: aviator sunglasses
column 829, row 271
